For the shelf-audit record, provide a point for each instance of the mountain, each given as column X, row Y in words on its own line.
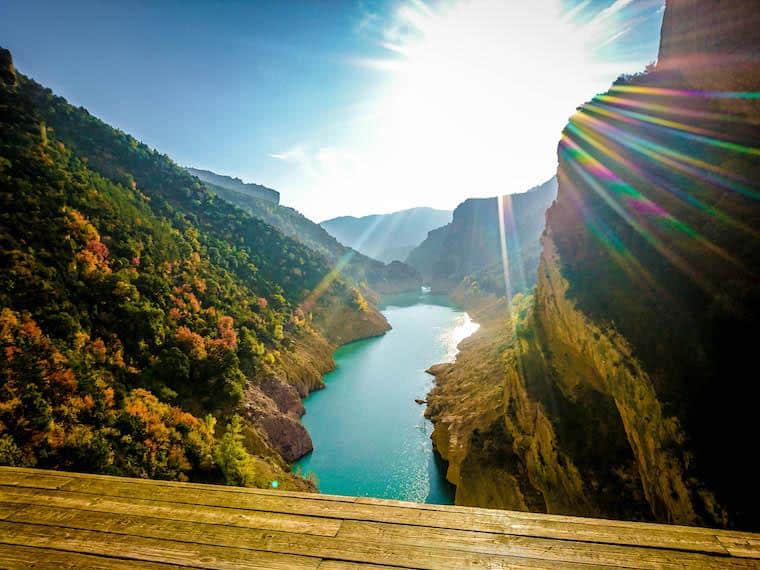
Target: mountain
column 147, row 326
column 368, row 274
column 470, row 246
column 624, row 387
column 237, row 185
column 387, row 237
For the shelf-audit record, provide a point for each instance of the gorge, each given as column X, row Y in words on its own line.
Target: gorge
column 619, row 388
column 370, row 434
column 585, row 347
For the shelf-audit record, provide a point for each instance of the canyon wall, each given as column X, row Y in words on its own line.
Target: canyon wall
column 624, row 387
column 471, row 245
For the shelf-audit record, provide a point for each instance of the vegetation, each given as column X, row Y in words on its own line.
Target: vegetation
column 365, row 272
column 136, row 305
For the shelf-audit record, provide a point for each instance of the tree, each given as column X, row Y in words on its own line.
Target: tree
column 232, row 457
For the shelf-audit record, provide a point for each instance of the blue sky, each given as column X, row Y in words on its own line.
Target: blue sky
column 345, row 107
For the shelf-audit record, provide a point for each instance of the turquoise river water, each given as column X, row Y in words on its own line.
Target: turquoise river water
column 370, row 436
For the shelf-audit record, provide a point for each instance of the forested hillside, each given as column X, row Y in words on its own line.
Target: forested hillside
column 147, row 326
column 368, row 274
column 237, row 185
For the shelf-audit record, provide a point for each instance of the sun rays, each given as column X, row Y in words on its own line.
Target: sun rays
column 644, row 166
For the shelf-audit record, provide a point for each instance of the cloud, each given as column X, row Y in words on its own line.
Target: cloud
column 368, row 23
column 296, row 153
column 615, row 37
column 610, row 10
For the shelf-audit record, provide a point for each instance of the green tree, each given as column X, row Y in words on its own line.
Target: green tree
column 231, row 456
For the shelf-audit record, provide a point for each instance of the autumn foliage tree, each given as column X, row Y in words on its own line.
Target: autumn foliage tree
column 135, row 304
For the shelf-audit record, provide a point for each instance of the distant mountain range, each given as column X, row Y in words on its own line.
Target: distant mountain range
column 387, row 237
column 248, row 188
column 470, row 246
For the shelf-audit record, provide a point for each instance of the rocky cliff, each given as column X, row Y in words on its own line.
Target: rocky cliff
column 471, row 245
column 623, row 388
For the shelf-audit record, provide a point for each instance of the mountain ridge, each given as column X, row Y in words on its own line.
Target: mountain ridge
column 470, row 245
column 387, row 237
column 236, row 184
column 370, row 275
column 149, row 327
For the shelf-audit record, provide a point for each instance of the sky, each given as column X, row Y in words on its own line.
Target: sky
column 345, row 107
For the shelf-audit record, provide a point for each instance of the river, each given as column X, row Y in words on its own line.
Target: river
column 370, row 436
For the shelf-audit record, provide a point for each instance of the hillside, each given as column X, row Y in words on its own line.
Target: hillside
column 470, row 246
column 387, row 237
column 148, row 327
column 623, row 388
column 237, row 185
column 363, row 271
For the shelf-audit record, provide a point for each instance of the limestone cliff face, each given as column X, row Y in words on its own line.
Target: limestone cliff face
column 592, row 368
column 708, row 38
column 622, row 388
column 470, row 246
column 500, row 446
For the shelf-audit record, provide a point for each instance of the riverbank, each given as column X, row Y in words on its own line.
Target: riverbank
column 370, row 433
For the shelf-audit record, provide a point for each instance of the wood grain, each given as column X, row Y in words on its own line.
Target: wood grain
column 69, row 520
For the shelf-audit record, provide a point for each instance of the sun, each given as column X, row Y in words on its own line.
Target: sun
column 481, row 92
column 474, row 97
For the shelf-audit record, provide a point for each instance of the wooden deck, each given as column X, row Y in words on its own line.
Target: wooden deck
column 52, row 519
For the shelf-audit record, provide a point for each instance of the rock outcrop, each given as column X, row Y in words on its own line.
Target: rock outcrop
column 624, row 388
column 471, row 245
column 7, row 71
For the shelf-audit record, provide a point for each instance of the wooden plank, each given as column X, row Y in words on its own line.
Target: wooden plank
column 40, row 480
column 703, row 539
column 340, row 565
column 430, row 556
column 748, row 547
column 147, row 549
column 540, row 548
column 529, row 516
column 28, row 475
column 15, row 556
column 485, row 520
column 174, row 511
column 344, row 530
column 7, row 509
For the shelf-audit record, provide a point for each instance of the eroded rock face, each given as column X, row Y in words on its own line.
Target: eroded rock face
column 285, row 396
column 707, row 38
column 288, row 436
column 623, row 391
column 501, row 446
column 275, row 407
column 470, row 246
column 272, row 401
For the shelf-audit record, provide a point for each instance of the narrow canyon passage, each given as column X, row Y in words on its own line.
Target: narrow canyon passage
column 370, row 436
